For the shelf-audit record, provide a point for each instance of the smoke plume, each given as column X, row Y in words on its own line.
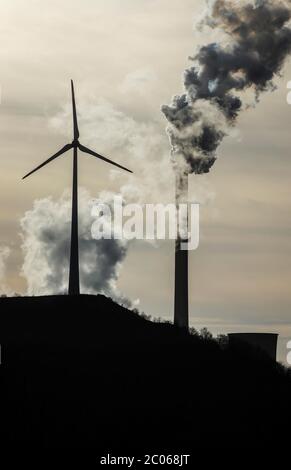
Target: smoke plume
column 257, row 40
column 4, row 255
column 46, row 248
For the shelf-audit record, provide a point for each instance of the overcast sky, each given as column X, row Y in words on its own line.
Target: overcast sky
column 127, row 59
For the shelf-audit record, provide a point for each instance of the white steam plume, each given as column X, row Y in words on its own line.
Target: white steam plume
column 46, row 247
column 4, row 255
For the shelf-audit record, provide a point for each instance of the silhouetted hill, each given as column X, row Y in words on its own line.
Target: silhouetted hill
column 86, row 373
column 88, row 319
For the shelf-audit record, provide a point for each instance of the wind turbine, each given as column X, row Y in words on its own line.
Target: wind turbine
column 74, row 282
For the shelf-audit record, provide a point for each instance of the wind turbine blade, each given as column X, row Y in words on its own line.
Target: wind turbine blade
column 60, row 152
column 86, row 150
column 75, row 120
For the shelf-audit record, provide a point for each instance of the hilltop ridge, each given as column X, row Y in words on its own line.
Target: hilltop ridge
column 86, row 373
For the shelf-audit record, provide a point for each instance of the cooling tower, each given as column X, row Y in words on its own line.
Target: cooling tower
column 181, row 307
column 266, row 342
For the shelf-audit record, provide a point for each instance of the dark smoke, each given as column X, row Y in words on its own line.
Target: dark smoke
column 258, row 40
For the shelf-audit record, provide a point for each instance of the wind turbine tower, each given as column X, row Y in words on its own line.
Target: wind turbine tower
column 74, row 277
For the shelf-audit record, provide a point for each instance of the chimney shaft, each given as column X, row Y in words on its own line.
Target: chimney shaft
column 181, row 308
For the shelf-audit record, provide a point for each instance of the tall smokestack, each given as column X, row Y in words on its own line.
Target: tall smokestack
column 181, row 302
column 255, row 42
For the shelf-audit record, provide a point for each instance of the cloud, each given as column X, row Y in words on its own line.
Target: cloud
column 139, row 81
column 46, row 246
